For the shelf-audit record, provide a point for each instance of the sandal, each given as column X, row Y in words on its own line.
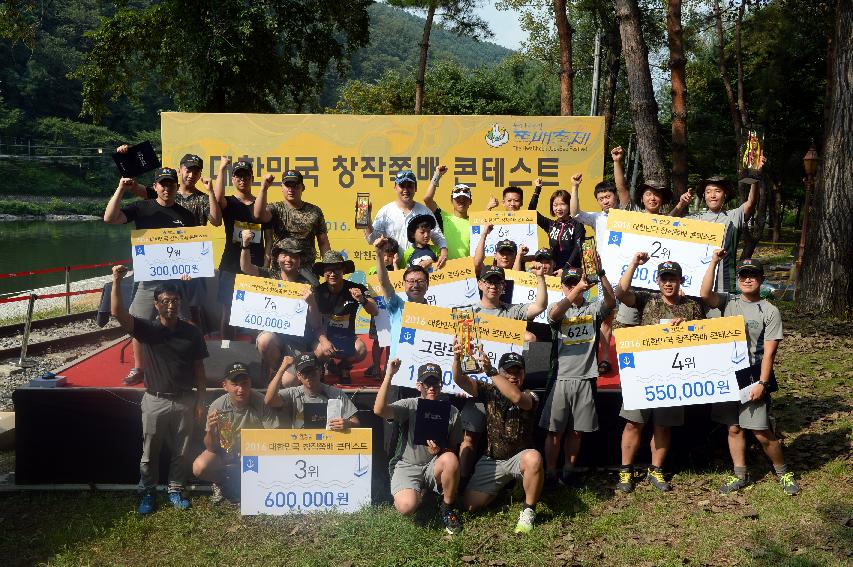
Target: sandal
column 604, row 367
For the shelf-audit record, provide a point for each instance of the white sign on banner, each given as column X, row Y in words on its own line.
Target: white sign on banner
column 524, row 286
column 455, row 285
column 297, row 471
column 169, row 253
column 686, row 241
column 427, row 335
column 269, row 305
column 692, row 363
column 518, row 226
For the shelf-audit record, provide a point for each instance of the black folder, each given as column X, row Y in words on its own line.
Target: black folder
column 139, row 159
column 431, row 422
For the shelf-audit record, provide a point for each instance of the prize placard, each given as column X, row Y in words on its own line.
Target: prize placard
column 169, row 253
column 692, row 363
column 427, row 335
column 524, row 285
column 297, row 471
column 269, row 305
column 686, row 241
column 518, row 226
column 455, row 285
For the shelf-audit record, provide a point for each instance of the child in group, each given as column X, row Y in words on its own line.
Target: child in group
column 389, row 251
column 421, row 253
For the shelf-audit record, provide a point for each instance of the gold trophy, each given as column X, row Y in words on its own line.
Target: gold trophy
column 469, row 337
column 362, row 210
column 589, row 259
column 226, row 430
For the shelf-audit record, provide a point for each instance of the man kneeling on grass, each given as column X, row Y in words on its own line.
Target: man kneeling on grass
column 427, row 466
column 510, row 423
column 239, row 408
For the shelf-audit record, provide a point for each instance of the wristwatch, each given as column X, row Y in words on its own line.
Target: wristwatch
column 764, row 383
column 245, row 247
column 491, row 371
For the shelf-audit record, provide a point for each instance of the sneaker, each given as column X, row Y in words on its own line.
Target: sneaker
column 216, row 497
column 178, row 501
column 733, row 484
column 656, row 479
column 525, row 521
column 626, row 481
column 147, row 504
column 452, row 524
column 134, row 377
column 789, row 485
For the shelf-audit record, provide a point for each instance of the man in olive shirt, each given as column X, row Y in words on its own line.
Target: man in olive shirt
column 173, row 351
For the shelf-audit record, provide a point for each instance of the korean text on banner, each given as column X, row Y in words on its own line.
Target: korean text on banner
column 269, row 305
column 455, row 285
column 524, row 286
column 296, row 471
column 691, row 363
column 518, row 226
column 343, row 155
column 169, row 253
column 686, row 241
column 427, row 335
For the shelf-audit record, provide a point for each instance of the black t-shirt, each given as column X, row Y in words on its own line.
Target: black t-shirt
column 169, row 356
column 148, row 213
column 339, row 310
column 238, row 212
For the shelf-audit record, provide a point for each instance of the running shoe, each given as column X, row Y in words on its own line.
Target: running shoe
column 656, row 479
column 147, row 504
column 525, row 521
column 789, row 485
column 626, row 480
column 217, row 497
column 134, row 377
column 178, row 501
column 452, row 524
column 733, row 484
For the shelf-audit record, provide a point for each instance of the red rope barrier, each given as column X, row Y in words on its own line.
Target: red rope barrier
column 50, row 295
column 54, row 270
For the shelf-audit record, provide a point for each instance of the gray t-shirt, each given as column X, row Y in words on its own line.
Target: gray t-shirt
column 763, row 322
column 256, row 415
column 405, row 410
column 577, row 334
column 295, row 398
column 515, row 311
column 734, row 221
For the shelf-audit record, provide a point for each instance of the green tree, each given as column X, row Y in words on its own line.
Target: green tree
column 230, row 56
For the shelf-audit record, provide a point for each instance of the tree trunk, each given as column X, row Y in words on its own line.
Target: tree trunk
column 776, row 211
column 677, row 66
column 826, row 276
column 741, row 102
column 614, row 57
column 644, row 107
column 424, row 45
column 724, row 75
column 567, row 72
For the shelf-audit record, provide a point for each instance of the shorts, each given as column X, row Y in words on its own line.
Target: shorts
column 142, row 305
column 225, row 292
column 755, row 416
column 195, row 291
column 288, row 345
column 570, row 405
column 491, row 475
column 414, row 477
column 473, row 416
column 666, row 417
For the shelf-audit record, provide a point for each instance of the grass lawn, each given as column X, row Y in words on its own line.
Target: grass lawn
column 693, row 525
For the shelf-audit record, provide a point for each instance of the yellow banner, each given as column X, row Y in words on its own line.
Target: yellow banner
column 440, row 320
column 341, row 155
column 453, row 271
column 284, row 442
column 483, row 218
column 527, row 279
column 170, row 235
column 673, row 228
column 269, row 286
column 690, row 333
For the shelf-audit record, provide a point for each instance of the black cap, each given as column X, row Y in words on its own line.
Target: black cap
column 416, row 220
column 543, row 254
column 571, row 274
column 506, row 244
column 242, row 165
column 305, row 360
column 753, row 265
column 291, row 175
column 192, row 160
column 493, row 271
column 165, row 174
column 669, row 268
column 511, row 359
column 429, row 370
column 236, row 371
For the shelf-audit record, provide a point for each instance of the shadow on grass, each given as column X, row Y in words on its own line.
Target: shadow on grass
column 35, row 526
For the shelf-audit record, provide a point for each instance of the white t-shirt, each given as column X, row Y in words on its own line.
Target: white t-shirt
column 392, row 222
